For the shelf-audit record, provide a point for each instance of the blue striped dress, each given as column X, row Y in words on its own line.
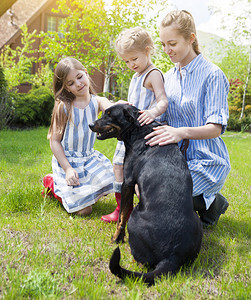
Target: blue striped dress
column 143, row 99
column 196, row 98
column 94, row 169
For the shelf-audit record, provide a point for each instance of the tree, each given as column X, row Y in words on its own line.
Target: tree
column 17, row 63
column 90, row 30
column 238, row 22
column 233, row 65
column 246, row 84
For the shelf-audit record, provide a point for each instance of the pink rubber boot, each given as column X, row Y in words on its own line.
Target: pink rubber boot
column 49, row 184
column 113, row 217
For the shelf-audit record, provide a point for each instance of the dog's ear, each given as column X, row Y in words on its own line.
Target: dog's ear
column 131, row 113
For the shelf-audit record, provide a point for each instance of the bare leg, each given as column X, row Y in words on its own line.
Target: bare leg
column 119, row 177
column 84, row 212
column 118, row 173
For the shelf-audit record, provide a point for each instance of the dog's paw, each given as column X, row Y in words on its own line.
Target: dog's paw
column 118, row 236
column 117, row 240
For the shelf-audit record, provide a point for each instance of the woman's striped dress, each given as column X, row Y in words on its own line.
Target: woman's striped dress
column 94, row 169
column 195, row 98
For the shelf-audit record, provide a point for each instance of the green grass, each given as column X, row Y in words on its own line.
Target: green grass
column 46, row 253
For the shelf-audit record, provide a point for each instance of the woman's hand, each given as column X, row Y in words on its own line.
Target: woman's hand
column 146, row 117
column 164, row 135
column 71, row 177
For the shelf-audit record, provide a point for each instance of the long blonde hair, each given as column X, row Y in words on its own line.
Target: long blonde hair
column 63, row 98
column 185, row 25
column 134, row 39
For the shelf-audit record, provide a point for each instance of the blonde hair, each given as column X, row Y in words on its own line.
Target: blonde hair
column 64, row 98
column 134, row 39
column 185, row 25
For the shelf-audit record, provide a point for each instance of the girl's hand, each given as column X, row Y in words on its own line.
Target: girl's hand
column 121, row 102
column 145, row 118
column 164, row 135
column 71, row 177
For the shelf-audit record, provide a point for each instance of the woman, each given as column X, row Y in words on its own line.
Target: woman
column 198, row 110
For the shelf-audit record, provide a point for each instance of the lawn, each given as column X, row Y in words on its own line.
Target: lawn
column 46, row 253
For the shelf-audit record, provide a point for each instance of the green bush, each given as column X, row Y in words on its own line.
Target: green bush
column 34, row 108
column 6, row 109
column 236, row 124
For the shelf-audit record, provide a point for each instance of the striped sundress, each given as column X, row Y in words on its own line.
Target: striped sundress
column 143, row 99
column 196, row 98
column 94, row 169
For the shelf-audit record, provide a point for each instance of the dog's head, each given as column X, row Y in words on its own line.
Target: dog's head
column 115, row 121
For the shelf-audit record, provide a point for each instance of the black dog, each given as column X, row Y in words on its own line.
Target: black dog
column 164, row 231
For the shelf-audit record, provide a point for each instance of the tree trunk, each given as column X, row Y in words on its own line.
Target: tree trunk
column 106, row 88
column 246, row 86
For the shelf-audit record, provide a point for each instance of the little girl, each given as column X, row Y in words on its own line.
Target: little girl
column 146, row 92
column 81, row 174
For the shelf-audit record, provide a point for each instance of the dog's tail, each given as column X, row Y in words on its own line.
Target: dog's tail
column 117, row 270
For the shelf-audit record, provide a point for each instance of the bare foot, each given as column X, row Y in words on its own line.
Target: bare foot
column 85, row 211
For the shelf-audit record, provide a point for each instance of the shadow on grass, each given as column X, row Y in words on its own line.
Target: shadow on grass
column 102, row 207
column 220, row 242
column 235, row 228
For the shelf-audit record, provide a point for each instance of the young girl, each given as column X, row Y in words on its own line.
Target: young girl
column 81, row 174
column 146, row 92
column 197, row 92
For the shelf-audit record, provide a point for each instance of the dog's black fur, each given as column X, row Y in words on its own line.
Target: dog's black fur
column 164, row 231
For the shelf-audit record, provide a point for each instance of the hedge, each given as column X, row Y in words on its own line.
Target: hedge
column 236, row 124
column 32, row 109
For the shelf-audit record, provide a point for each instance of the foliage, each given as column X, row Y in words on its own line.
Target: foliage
column 235, row 99
column 234, row 61
column 237, row 23
column 234, row 65
column 237, row 124
column 6, row 111
column 6, row 108
column 162, row 60
column 3, row 83
column 47, row 253
column 17, row 63
column 98, row 25
column 43, row 77
column 234, row 20
column 34, row 108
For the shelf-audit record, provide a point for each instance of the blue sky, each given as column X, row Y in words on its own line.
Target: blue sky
column 205, row 21
column 202, row 16
column 198, row 8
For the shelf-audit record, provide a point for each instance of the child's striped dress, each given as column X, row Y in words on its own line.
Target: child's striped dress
column 142, row 98
column 94, row 169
